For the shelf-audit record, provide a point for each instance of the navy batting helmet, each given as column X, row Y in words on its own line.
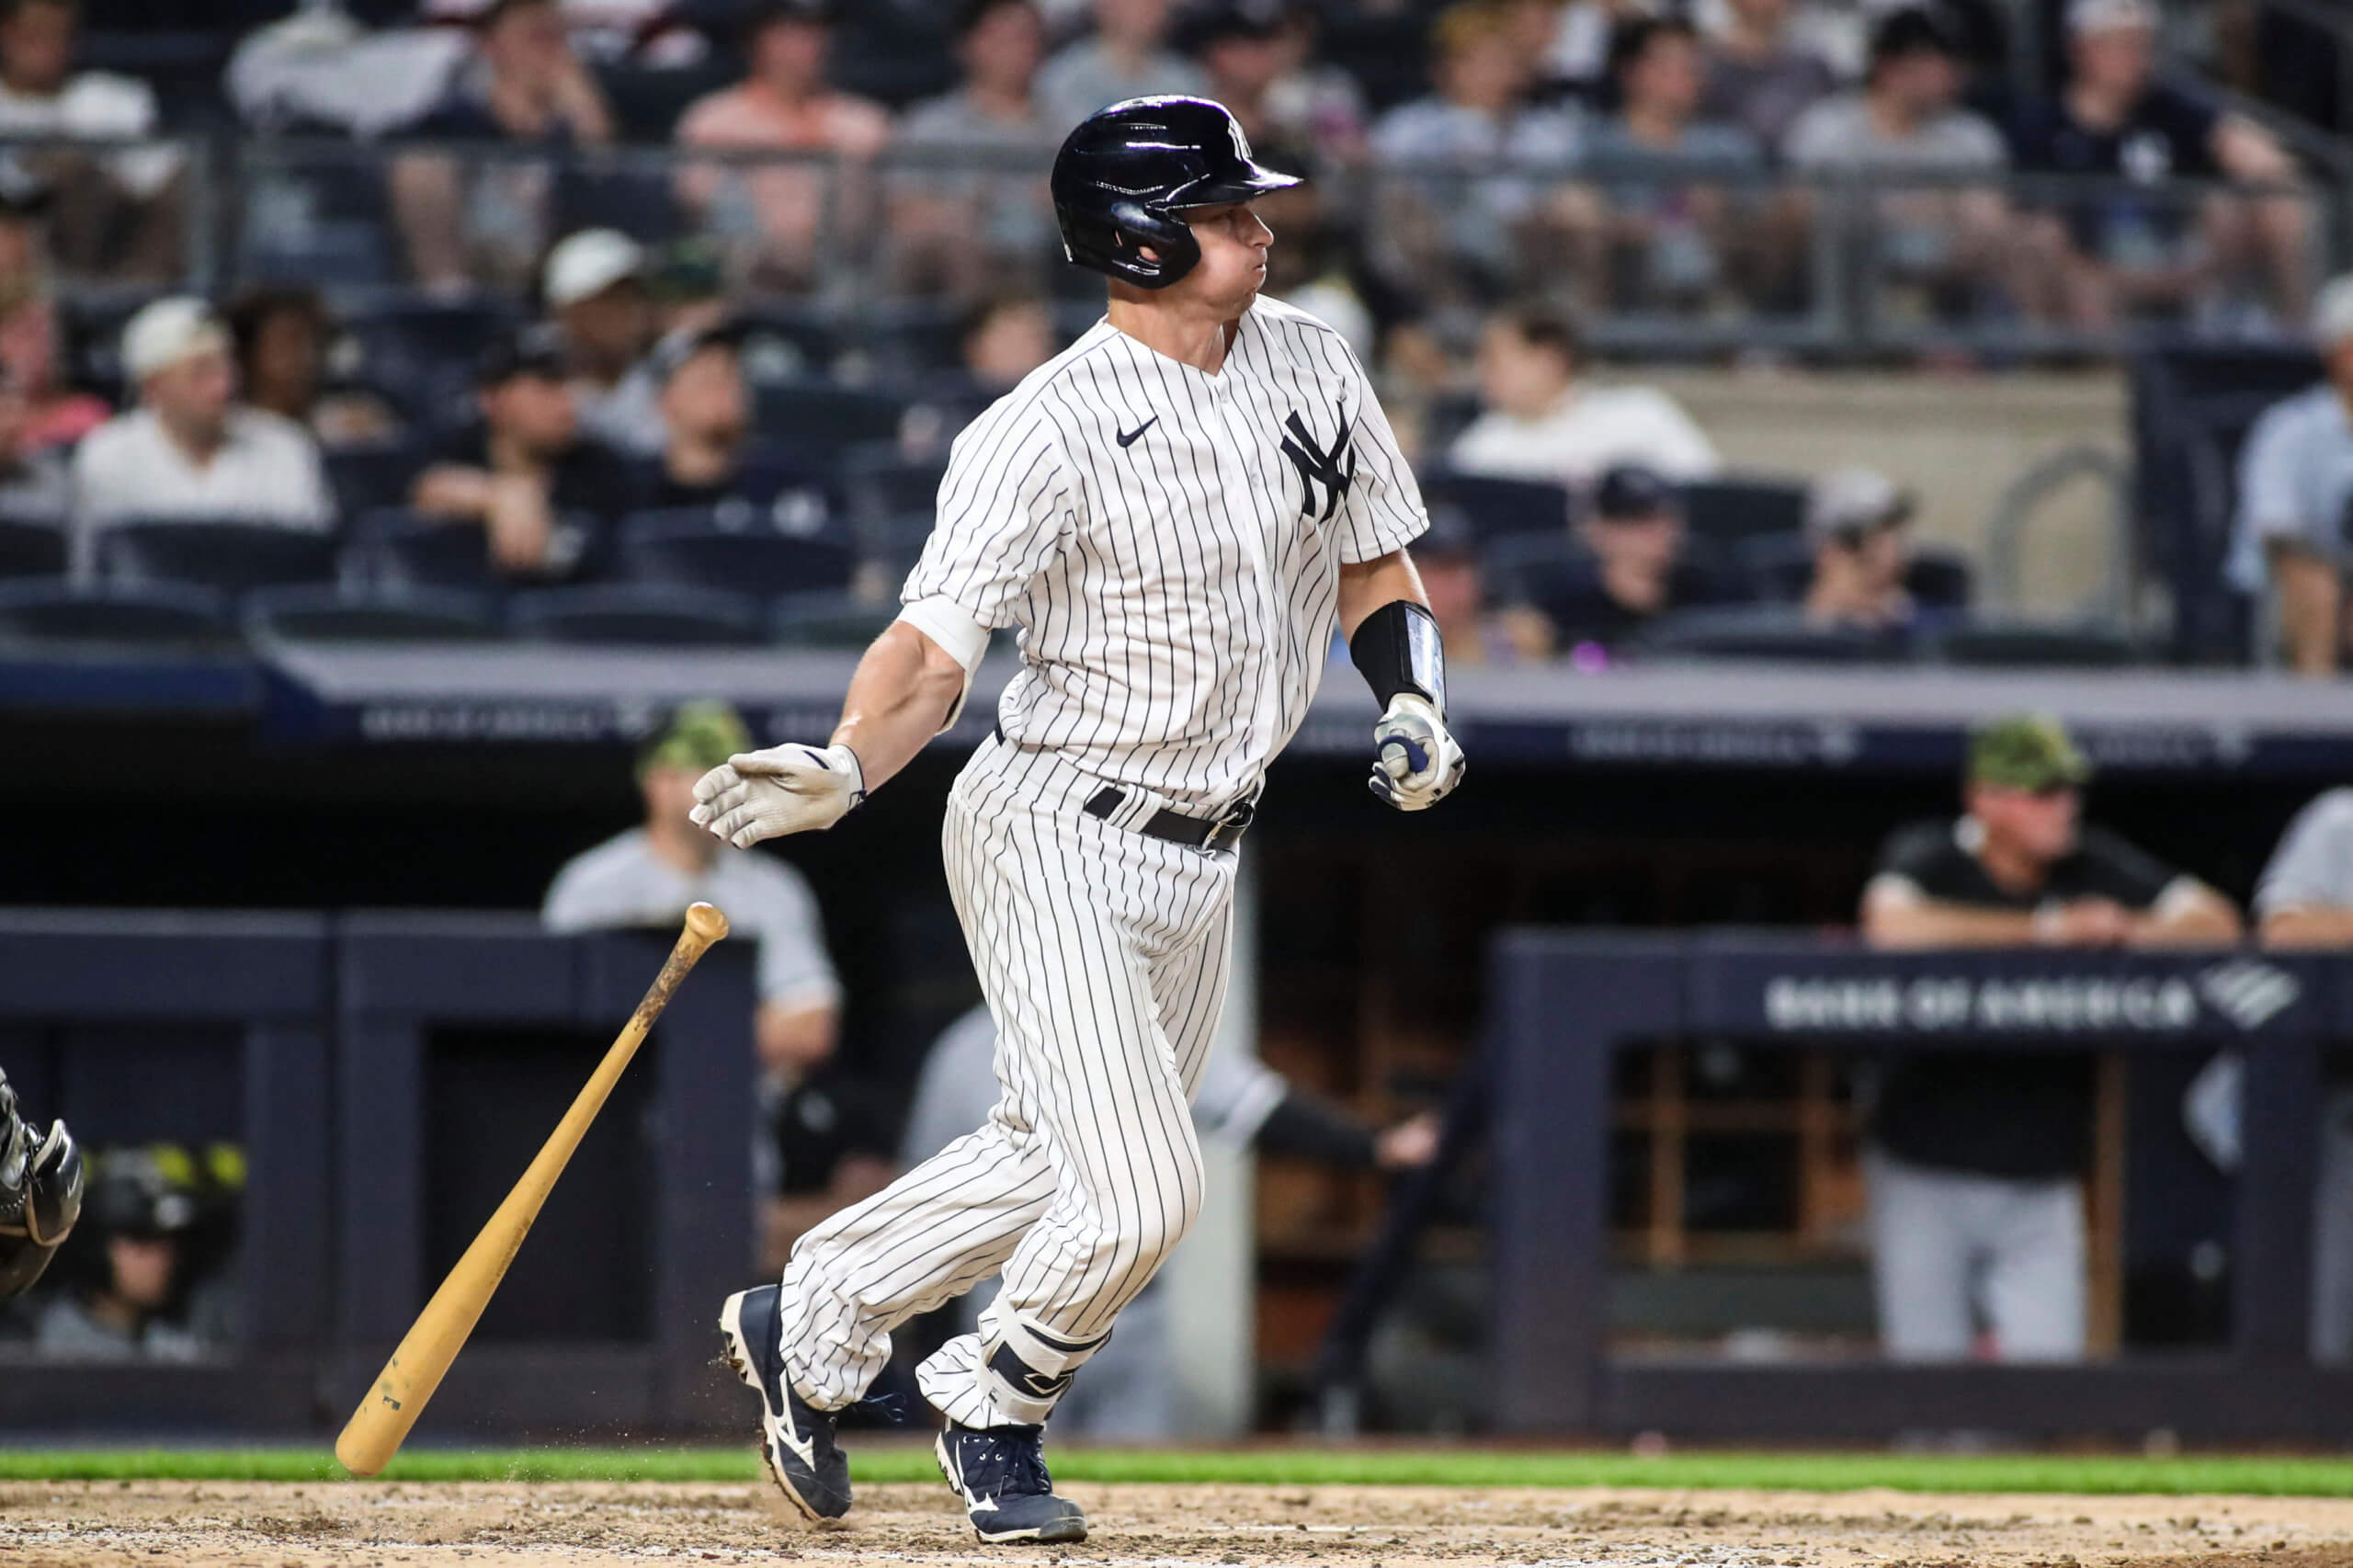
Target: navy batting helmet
column 1125, row 177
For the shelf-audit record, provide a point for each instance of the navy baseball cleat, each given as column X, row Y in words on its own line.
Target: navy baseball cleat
column 796, row 1439
column 1000, row 1472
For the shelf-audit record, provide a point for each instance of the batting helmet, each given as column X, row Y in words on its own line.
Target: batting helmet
column 1126, row 176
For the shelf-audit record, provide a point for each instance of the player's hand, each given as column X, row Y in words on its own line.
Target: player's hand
column 2086, row 923
column 1416, row 762
column 767, row 794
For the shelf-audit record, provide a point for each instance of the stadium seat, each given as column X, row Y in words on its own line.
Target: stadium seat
column 1779, row 566
column 1729, row 510
column 1773, row 632
column 31, row 550
column 231, row 556
column 827, row 620
column 644, row 614
column 690, row 549
column 1499, row 508
column 366, row 479
column 1941, row 579
column 175, row 616
column 782, row 347
column 418, row 549
column 324, row 613
column 2025, row 644
column 881, row 483
column 914, row 338
column 1530, row 569
column 820, row 418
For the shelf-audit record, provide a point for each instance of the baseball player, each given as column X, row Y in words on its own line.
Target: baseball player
column 41, row 1194
column 1174, row 512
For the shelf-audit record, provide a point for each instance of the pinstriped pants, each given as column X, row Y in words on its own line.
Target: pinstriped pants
column 1103, row 955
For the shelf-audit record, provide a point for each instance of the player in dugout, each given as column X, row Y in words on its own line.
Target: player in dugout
column 40, row 1193
column 1973, row 1160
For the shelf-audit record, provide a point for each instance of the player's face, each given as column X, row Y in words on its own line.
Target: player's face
column 1233, row 244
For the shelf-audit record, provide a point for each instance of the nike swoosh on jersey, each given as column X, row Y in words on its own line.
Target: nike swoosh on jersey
column 1128, row 439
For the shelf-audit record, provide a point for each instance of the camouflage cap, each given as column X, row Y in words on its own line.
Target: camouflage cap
column 700, row 736
column 2025, row 750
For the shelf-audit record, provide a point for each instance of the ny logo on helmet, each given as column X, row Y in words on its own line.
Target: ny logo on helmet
column 1334, row 468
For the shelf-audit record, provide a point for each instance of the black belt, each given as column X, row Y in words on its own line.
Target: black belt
column 1198, row 832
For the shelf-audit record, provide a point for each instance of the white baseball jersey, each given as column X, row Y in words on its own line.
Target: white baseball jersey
column 1169, row 543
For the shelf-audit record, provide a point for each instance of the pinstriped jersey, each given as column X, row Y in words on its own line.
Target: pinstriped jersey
column 1168, row 544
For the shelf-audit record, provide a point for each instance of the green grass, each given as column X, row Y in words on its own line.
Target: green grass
column 1452, row 1466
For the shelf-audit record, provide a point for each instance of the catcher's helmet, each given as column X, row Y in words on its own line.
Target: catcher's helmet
column 1125, row 176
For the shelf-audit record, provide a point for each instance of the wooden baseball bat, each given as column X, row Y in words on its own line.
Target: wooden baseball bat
column 377, row 1428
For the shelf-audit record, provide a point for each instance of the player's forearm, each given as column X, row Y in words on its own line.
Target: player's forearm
column 905, row 689
column 2308, row 928
column 1365, row 586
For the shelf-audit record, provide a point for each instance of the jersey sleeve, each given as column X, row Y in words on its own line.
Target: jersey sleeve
column 2124, row 872
column 1002, row 508
column 1383, row 510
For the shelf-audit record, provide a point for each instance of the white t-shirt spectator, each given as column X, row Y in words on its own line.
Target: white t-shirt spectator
column 2295, row 484
column 2312, row 866
column 267, row 471
column 1591, row 429
column 102, row 106
column 1086, row 76
column 622, row 883
column 1839, row 133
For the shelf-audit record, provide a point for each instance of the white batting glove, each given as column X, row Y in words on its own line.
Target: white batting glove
column 1416, row 762
column 767, row 794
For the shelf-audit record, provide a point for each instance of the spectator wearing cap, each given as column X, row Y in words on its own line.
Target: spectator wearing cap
column 1759, row 77
column 280, row 334
column 471, row 222
column 189, row 450
column 118, row 212
column 1453, row 231
column 648, row 875
column 708, row 457
column 1855, row 521
column 1907, row 118
column 1973, row 1160
column 2295, row 484
column 1257, row 56
column 1541, row 422
column 1634, row 568
column 53, row 415
column 1127, row 56
column 775, row 210
column 2118, row 119
column 969, row 228
column 593, row 287
column 542, row 490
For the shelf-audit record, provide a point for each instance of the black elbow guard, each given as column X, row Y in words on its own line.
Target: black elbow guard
column 41, row 1194
column 1397, row 649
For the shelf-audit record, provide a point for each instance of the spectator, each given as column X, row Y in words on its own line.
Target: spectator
column 1907, row 120
column 188, row 451
column 1854, row 519
column 1974, row 1159
column 2304, row 903
column 687, row 281
column 2295, row 493
column 648, row 875
column 2116, row 120
column 775, row 211
column 1666, row 236
column 652, row 33
column 1004, row 338
column 708, row 457
column 540, row 489
column 280, row 337
column 1457, row 232
column 1255, row 53
column 1126, row 1395
column 594, row 285
column 1635, row 570
column 1759, row 77
column 1447, row 557
column 469, row 220
column 134, row 1308
column 1540, row 424
column 53, row 415
column 970, row 228
column 1311, row 103
column 1126, row 57
column 36, row 484
column 118, row 212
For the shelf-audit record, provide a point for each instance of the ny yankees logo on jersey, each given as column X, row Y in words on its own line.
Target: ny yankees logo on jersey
column 1318, row 466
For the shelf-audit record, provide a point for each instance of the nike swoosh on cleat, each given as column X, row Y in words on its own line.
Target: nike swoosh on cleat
column 1128, row 439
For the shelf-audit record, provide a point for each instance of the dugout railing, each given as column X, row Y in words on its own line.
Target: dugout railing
column 1562, row 1006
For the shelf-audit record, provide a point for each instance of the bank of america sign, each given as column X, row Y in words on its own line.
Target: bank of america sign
column 2242, row 992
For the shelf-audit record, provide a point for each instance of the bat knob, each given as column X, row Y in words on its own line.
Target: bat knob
column 706, row 921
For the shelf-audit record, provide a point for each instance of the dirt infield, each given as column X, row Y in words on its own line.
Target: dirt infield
column 356, row 1525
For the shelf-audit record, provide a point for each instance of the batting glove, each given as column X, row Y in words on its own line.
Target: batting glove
column 1416, row 762
column 767, row 794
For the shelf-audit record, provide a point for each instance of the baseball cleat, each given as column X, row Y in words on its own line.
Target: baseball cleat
column 1000, row 1472
column 796, row 1439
